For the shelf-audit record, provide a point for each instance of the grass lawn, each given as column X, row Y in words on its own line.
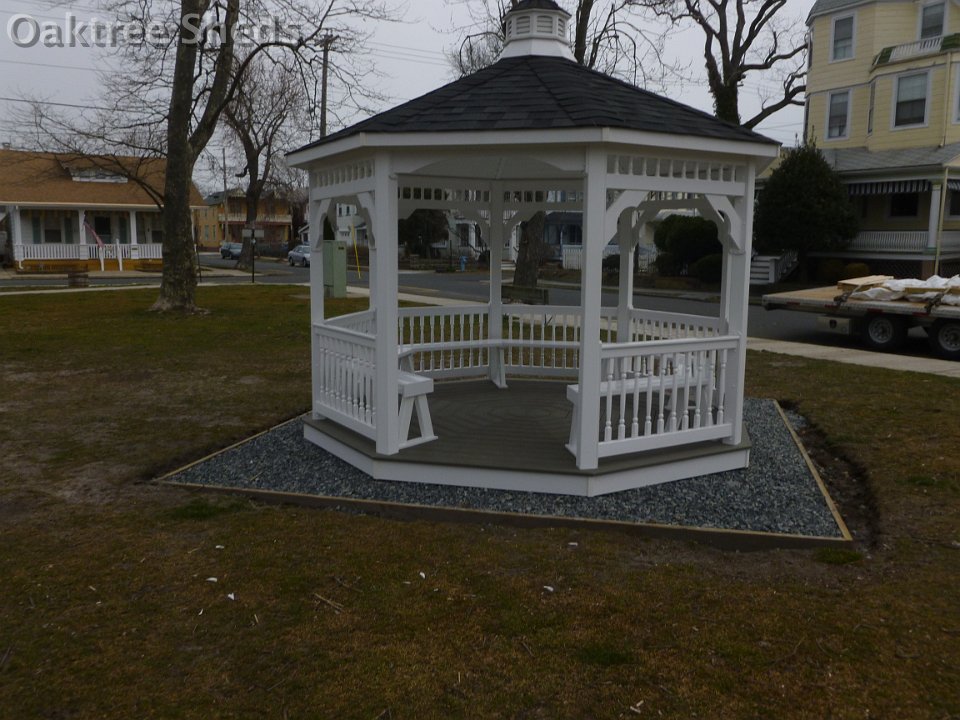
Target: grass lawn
column 109, row 608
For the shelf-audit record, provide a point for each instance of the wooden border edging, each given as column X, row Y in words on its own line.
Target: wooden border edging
column 719, row 538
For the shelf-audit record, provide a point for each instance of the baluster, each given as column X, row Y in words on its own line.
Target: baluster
column 636, row 362
column 675, row 379
column 688, row 370
column 701, row 355
column 722, row 386
column 621, row 425
column 661, row 373
column 608, row 425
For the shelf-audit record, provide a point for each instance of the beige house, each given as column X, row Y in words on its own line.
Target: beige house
column 883, row 103
column 219, row 222
column 60, row 211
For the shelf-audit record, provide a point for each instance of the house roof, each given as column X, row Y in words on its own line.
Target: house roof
column 821, row 7
column 35, row 178
column 535, row 92
column 860, row 160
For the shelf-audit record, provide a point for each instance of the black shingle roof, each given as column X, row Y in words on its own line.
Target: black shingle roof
column 536, row 92
column 537, row 5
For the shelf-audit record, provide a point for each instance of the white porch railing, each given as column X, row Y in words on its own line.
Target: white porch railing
column 65, row 251
column 662, row 394
column 362, row 322
column 930, row 46
column 648, row 325
column 768, row 269
column 345, row 378
column 890, row 241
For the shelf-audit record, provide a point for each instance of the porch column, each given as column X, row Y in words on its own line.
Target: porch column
column 315, row 214
column 82, row 217
column 591, row 276
column 736, row 302
column 627, row 249
column 385, row 307
column 132, row 227
column 16, row 227
column 495, row 310
column 933, row 227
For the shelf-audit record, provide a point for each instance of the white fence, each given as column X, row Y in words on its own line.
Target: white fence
column 573, row 256
column 891, row 241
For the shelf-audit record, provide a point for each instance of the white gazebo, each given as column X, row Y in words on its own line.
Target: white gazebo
column 643, row 397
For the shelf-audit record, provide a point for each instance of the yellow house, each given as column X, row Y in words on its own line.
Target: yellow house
column 883, row 103
column 62, row 211
column 219, row 222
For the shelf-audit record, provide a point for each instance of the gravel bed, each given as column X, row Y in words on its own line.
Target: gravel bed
column 777, row 493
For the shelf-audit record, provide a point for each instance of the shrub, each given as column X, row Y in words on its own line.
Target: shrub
column 667, row 264
column 830, row 270
column 687, row 238
column 708, row 269
column 855, row 270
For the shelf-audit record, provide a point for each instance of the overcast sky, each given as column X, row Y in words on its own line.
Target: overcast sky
column 410, row 57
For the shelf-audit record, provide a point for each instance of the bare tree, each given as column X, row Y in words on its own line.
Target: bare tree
column 263, row 120
column 609, row 39
column 180, row 64
column 742, row 37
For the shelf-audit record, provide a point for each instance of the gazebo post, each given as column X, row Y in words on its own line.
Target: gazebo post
column 495, row 310
column 314, row 238
column 625, row 301
column 591, row 275
column 736, row 302
column 385, row 307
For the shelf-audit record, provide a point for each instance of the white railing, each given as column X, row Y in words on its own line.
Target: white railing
column 364, row 322
column 444, row 341
column 67, row 251
column 544, row 339
column 345, row 378
column 891, row 241
column 767, row 269
column 664, row 393
column 646, row 325
column 929, row 46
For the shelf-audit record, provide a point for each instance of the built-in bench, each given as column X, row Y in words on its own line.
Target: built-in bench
column 413, row 390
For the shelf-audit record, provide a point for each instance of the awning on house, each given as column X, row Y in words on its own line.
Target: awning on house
column 889, row 188
column 953, row 185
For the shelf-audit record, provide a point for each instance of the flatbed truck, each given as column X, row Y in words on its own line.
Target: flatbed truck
column 881, row 324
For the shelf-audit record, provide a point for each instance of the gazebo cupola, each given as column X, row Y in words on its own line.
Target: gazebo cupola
column 536, row 27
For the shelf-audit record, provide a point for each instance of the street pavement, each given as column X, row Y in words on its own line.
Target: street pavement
column 788, row 333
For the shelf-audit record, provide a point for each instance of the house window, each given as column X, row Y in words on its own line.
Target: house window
column 931, row 20
column 911, row 101
column 905, row 205
column 52, row 228
column 839, row 115
column 101, row 226
column 873, row 102
column 842, row 38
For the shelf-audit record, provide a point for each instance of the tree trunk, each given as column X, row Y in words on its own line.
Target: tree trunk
column 253, row 204
column 726, row 102
column 531, row 251
column 179, row 282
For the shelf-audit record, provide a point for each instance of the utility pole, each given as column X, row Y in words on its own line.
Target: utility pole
column 328, row 40
column 226, row 219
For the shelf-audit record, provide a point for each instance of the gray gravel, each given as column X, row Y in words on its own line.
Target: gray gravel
column 777, row 493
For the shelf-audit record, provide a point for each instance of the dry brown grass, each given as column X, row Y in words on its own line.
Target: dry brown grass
column 106, row 610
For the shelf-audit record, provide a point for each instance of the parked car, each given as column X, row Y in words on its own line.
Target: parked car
column 231, row 250
column 300, row 255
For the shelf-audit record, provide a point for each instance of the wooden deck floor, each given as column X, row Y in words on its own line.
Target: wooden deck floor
column 522, row 428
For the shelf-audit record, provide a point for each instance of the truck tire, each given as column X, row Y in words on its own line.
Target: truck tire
column 884, row 332
column 944, row 338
